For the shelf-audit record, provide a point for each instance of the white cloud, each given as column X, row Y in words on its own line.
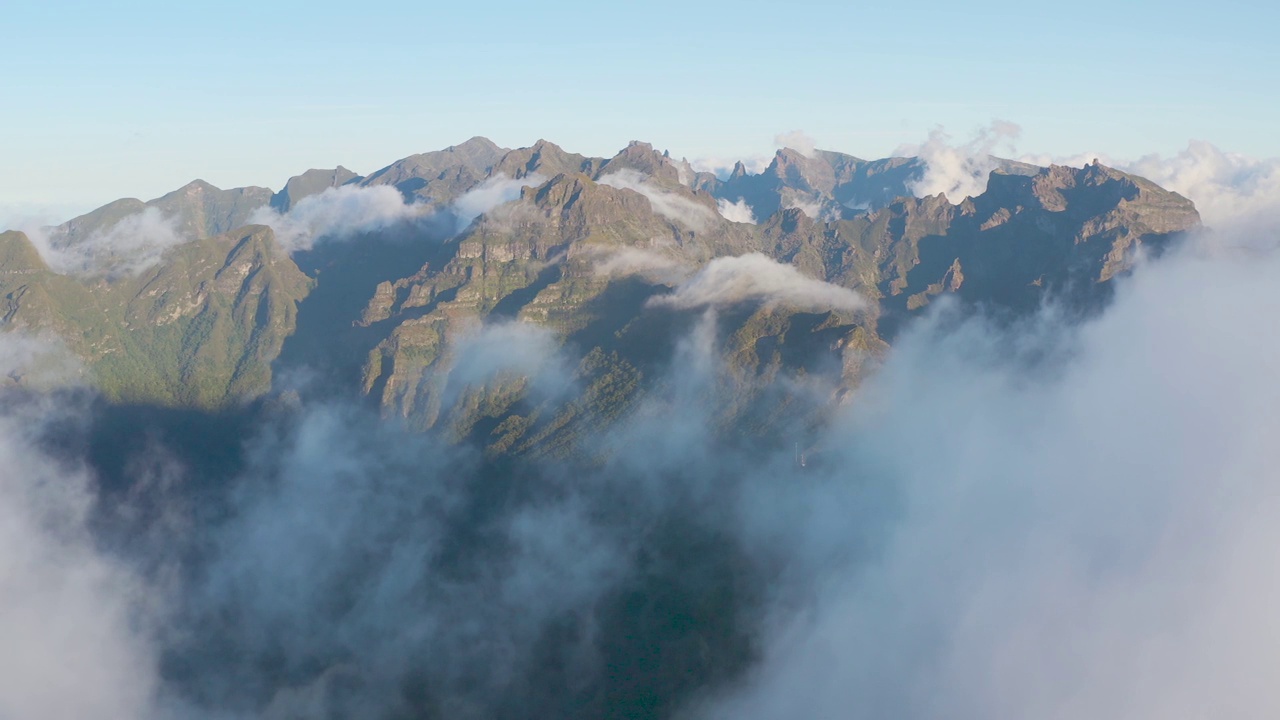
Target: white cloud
column 133, row 244
column 755, row 276
column 1042, row 522
column 797, row 140
column 339, row 212
column 806, row 205
column 513, row 348
column 1233, row 192
column 493, row 192
column 651, row 265
column 739, row 212
column 1228, row 189
column 722, row 167
column 960, row 171
column 666, row 203
column 74, row 620
column 40, row 361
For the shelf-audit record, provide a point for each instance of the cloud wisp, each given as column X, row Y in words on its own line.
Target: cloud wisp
column 130, row 246
column 649, row 264
column 666, row 203
column 757, row 277
column 491, row 193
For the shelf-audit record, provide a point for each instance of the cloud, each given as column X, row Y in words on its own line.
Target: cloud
column 809, row 206
column 652, row 265
column 75, row 620
column 130, row 246
column 491, row 193
column 722, row 167
column 339, row 212
column 1230, row 190
column 959, row 171
column 797, row 140
column 666, row 203
column 512, row 350
column 754, row 276
column 739, row 212
column 1087, row 532
column 38, row 361
column 1234, row 193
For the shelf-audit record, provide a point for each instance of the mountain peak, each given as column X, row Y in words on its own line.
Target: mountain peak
column 643, row 158
column 196, row 186
column 476, row 144
column 547, row 159
column 311, row 182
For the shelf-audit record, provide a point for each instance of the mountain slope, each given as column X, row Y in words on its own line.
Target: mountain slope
column 198, row 331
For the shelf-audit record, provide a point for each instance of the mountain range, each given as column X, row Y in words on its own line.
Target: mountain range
column 377, row 285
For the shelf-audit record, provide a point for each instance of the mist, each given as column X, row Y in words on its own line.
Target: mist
column 491, row 193
column 755, row 276
column 666, row 203
column 1081, row 521
column 129, row 246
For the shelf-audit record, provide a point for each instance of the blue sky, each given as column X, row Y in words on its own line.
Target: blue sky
column 103, row 102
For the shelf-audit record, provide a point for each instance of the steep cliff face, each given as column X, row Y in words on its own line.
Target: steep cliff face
column 1062, row 232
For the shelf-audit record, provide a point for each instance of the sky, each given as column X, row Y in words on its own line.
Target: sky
column 104, row 100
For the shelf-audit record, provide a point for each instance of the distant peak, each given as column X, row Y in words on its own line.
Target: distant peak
column 476, row 143
column 199, row 185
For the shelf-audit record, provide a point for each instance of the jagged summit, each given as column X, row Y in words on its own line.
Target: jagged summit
column 641, row 157
column 547, row 159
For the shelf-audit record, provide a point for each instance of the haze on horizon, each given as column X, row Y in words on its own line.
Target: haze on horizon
column 136, row 102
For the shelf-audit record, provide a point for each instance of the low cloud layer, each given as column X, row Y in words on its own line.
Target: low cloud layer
column 728, row 280
column 75, row 619
column 1086, row 532
column 128, row 247
column 666, row 203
